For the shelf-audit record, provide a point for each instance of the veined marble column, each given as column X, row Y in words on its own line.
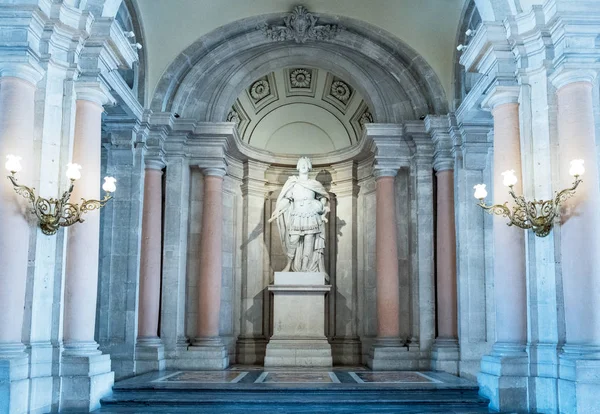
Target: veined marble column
column 388, row 301
column 82, row 361
column 207, row 341
column 445, row 353
column 503, row 376
column 149, row 348
column 252, row 341
column 579, row 244
column 385, row 351
column 16, row 137
column 446, row 256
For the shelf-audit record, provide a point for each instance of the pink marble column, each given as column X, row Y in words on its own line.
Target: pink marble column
column 509, row 242
column 446, row 257
column 81, row 275
column 150, row 256
column 16, row 137
column 580, row 228
column 388, row 285
column 209, row 281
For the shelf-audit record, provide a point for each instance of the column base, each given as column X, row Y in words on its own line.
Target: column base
column 346, row 350
column 14, row 382
column 251, row 350
column 86, row 376
column 389, row 354
column 298, row 352
column 503, row 377
column 579, row 381
column 149, row 355
column 40, row 377
column 445, row 355
column 205, row 353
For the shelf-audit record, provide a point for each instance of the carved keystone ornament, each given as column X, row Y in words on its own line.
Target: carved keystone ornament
column 300, row 26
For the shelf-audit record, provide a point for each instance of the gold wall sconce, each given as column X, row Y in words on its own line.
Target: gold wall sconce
column 54, row 213
column 537, row 215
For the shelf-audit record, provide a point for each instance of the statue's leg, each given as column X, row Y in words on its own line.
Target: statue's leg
column 308, row 251
column 293, row 247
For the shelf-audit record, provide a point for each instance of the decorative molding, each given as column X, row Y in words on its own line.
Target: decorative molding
column 300, row 25
column 233, row 116
column 338, row 92
column 300, row 81
column 301, row 78
column 262, row 92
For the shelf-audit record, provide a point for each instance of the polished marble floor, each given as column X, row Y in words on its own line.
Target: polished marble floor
column 251, row 389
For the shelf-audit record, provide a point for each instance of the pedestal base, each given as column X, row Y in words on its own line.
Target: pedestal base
column 310, row 352
column 579, row 379
column 299, row 321
column 389, row 354
column 14, row 384
column 503, row 377
column 85, row 379
column 204, row 353
column 445, row 356
column 149, row 355
column 251, row 350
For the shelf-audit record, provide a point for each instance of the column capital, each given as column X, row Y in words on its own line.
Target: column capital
column 154, row 164
column 439, row 129
column 384, row 172
column 214, row 172
column 29, row 71
column 565, row 76
column 500, row 95
column 97, row 92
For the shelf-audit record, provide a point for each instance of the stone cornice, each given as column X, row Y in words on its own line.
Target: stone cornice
column 235, row 147
column 488, row 47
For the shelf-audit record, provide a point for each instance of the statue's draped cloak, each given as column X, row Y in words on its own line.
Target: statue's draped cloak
column 283, row 211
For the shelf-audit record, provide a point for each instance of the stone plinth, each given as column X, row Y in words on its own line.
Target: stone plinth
column 299, row 321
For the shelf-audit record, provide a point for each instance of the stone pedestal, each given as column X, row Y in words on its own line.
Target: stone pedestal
column 299, row 321
column 503, row 377
column 14, row 384
column 85, row 379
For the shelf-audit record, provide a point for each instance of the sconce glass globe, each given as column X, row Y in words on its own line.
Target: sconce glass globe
column 73, row 171
column 13, row 163
column 480, row 191
column 509, row 178
column 109, row 184
column 577, row 168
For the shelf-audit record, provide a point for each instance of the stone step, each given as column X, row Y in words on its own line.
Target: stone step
column 294, row 396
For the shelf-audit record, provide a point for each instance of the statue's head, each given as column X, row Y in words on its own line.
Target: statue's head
column 304, row 161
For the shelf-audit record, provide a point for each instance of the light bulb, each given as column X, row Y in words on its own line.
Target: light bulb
column 577, row 168
column 480, row 191
column 13, row 163
column 73, row 172
column 509, row 178
column 109, row 184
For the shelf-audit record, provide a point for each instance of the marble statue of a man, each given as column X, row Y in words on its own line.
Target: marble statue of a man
column 301, row 214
